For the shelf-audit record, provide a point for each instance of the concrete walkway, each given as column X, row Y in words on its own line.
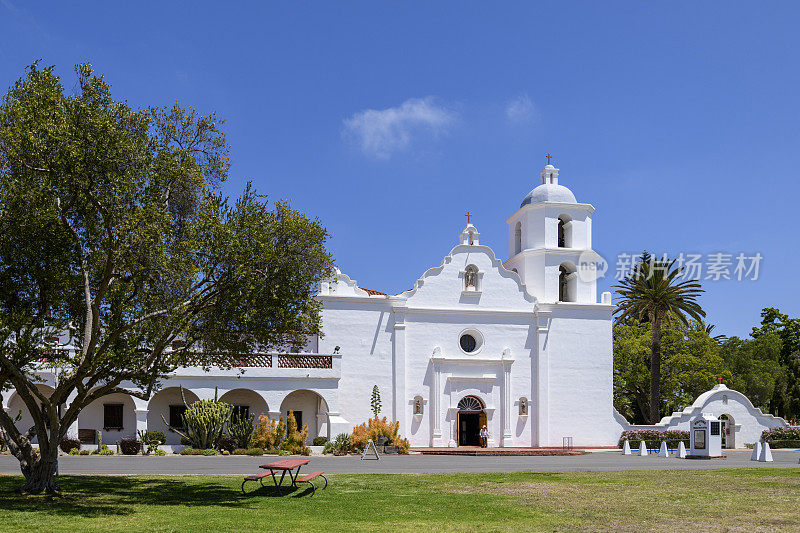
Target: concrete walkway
column 394, row 464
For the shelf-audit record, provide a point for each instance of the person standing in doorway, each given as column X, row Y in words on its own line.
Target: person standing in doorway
column 484, row 436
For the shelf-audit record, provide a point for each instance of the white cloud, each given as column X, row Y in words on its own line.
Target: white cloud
column 381, row 132
column 520, row 109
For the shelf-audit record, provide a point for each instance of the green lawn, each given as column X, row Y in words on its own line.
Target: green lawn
column 724, row 500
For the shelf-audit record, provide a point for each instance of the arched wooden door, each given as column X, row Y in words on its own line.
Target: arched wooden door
column 471, row 418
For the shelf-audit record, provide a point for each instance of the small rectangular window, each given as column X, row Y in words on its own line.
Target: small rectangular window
column 700, row 439
column 176, row 415
column 112, row 416
column 298, row 417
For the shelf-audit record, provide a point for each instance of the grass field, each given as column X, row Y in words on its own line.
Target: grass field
column 701, row 500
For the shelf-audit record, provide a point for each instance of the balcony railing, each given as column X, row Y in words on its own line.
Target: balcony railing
column 267, row 360
column 304, row 361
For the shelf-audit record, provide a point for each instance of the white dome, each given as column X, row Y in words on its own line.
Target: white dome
column 549, row 192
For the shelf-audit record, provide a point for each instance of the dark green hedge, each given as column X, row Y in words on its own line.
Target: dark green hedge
column 784, row 444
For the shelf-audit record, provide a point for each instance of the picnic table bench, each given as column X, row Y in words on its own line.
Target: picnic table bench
column 284, row 466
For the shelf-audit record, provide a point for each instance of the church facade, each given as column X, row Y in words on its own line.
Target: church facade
column 522, row 346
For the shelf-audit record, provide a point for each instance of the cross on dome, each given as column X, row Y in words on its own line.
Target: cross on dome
column 549, row 157
column 468, row 216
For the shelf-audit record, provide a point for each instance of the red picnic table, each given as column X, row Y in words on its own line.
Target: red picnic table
column 285, row 465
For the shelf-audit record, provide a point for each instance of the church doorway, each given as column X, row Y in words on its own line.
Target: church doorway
column 471, row 418
column 728, row 432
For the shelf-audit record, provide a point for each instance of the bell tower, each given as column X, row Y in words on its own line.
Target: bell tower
column 550, row 243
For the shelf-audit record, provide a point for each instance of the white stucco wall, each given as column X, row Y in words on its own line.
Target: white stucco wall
column 580, row 384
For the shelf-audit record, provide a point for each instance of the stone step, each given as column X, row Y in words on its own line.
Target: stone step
column 481, row 452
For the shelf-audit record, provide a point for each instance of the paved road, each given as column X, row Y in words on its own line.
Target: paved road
column 410, row 464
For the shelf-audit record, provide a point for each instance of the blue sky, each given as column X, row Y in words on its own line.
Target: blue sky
column 388, row 121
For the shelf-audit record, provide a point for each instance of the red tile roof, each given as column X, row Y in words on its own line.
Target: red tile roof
column 372, row 292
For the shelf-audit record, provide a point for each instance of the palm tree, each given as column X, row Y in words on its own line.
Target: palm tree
column 653, row 293
column 709, row 328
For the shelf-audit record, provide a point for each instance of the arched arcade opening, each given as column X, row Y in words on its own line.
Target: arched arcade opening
column 167, row 403
column 309, row 408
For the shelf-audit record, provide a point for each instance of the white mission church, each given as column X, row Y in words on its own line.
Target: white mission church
column 522, row 345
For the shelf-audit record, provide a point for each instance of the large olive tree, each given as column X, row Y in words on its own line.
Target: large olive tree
column 113, row 227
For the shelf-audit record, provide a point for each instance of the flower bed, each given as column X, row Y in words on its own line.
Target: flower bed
column 654, row 437
column 781, row 434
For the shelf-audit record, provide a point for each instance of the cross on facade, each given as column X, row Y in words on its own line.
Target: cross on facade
column 549, row 157
column 468, row 215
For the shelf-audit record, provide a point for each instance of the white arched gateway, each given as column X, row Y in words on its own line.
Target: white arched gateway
column 743, row 422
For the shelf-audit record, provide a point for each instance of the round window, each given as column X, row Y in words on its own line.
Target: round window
column 468, row 343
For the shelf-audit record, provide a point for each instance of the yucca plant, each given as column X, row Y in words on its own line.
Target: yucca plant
column 654, row 293
column 204, row 421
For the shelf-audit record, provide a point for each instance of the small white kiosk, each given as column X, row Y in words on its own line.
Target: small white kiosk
column 705, row 437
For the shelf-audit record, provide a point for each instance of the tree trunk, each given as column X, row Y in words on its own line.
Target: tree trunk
column 655, row 371
column 40, row 474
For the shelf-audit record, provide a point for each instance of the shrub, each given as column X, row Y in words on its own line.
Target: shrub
column 784, row 444
column 225, row 452
column 775, row 434
column 208, row 452
column 75, row 451
column 68, row 444
column 254, row 451
column 374, row 428
column 341, row 443
column 191, row 451
column 653, row 438
column 227, row 443
column 241, row 428
column 295, row 438
column 84, row 452
column 159, row 453
column 103, row 450
column 274, row 451
column 151, row 440
column 239, row 451
column 269, row 433
column 130, row 446
column 320, row 441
